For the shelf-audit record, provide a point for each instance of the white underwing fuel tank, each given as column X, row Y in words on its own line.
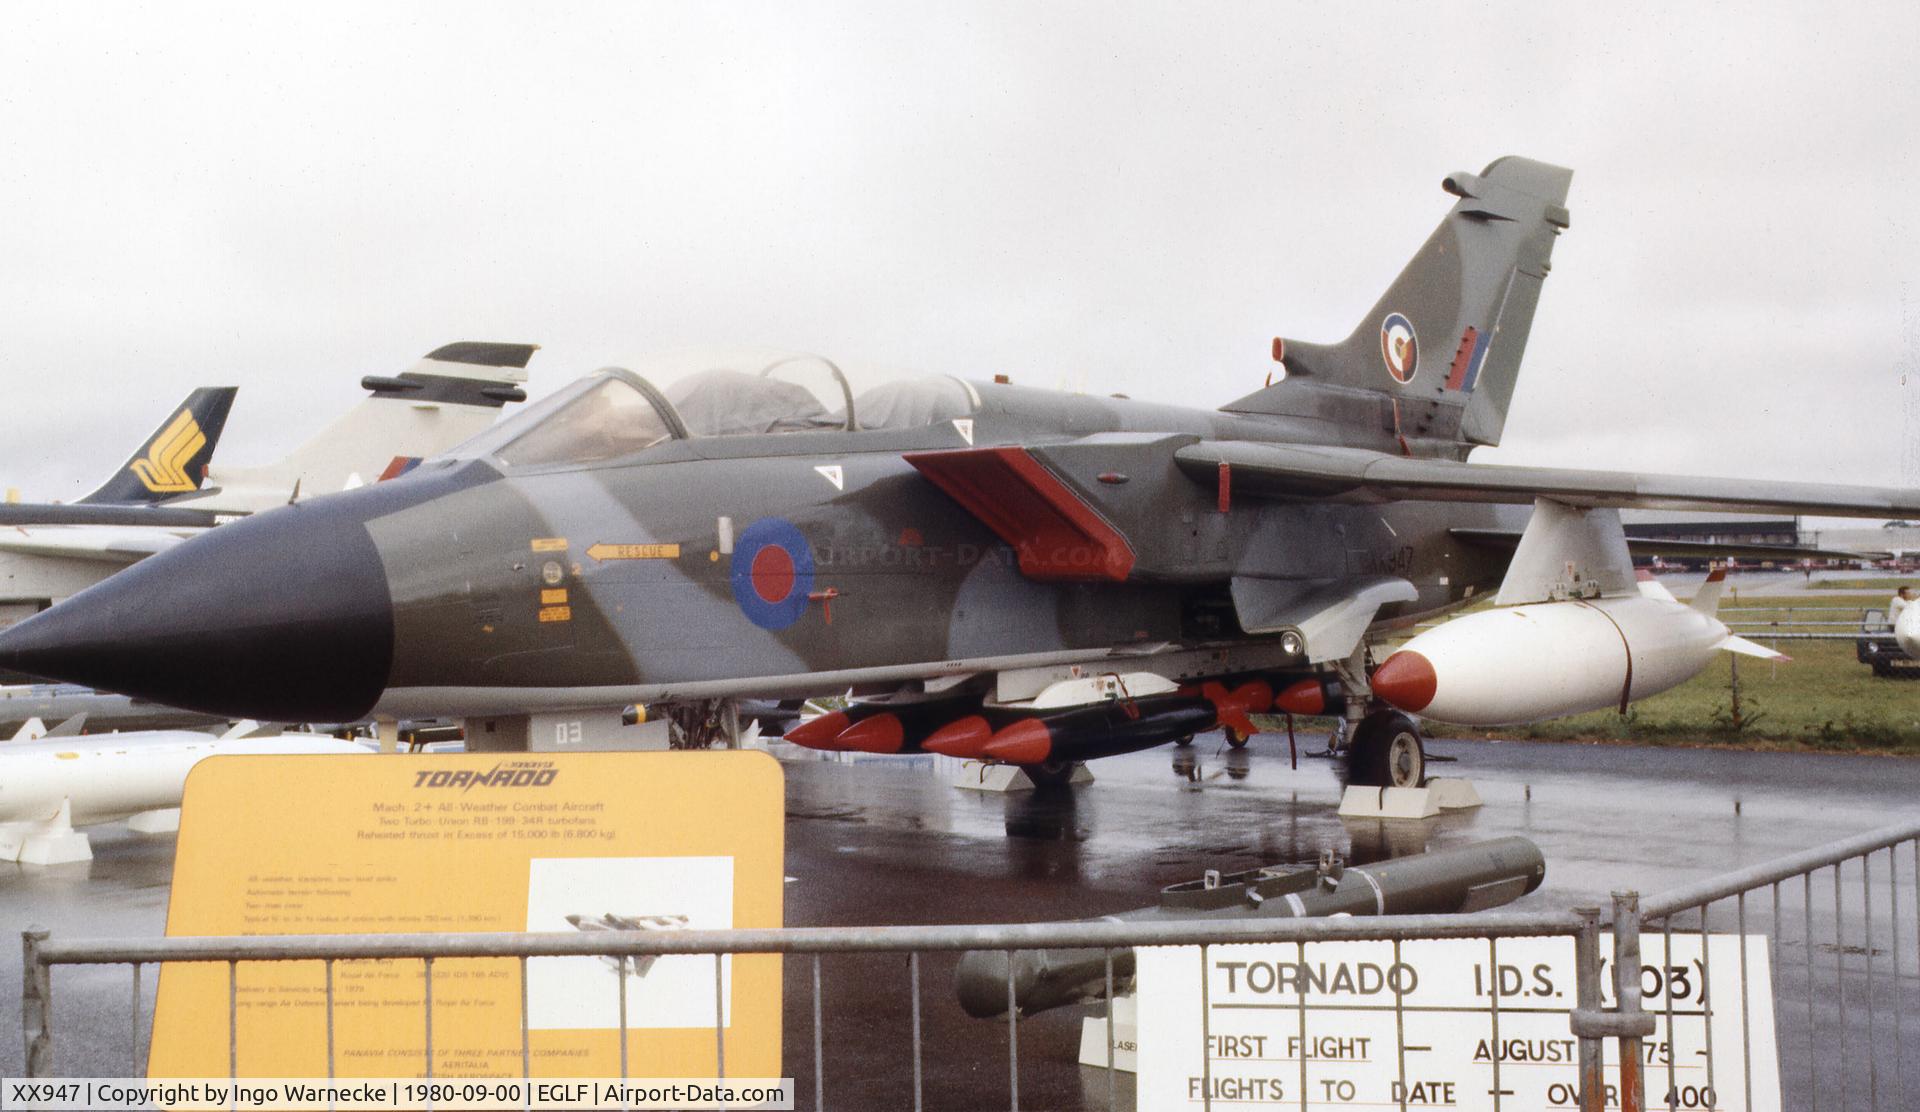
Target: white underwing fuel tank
column 1545, row 660
column 1626, row 639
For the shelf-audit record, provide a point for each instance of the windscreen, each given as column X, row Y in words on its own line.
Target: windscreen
column 611, row 418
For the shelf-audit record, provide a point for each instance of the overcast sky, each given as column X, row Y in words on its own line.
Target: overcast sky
column 1125, row 198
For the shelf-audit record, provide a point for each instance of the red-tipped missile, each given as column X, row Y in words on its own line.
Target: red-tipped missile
column 893, row 725
column 1027, row 741
column 1310, row 696
column 882, row 733
column 963, row 737
column 1105, row 729
column 819, row 731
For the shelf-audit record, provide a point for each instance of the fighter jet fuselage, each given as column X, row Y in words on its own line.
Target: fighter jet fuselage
column 985, row 561
column 781, row 564
column 739, row 565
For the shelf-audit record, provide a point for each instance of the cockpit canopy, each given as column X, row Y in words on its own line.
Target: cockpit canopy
column 615, row 412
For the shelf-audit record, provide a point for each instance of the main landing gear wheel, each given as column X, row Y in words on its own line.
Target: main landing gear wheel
column 1387, row 752
column 1050, row 774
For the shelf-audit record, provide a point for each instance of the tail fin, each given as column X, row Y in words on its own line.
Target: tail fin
column 1438, row 356
column 173, row 461
column 444, row 399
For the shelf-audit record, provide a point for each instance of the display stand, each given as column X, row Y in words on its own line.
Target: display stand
column 988, row 776
column 54, row 842
column 1425, row 802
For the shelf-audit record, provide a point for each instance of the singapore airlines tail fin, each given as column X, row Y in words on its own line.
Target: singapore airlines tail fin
column 172, row 461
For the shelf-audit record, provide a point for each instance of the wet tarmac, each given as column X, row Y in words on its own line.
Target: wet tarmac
column 888, row 840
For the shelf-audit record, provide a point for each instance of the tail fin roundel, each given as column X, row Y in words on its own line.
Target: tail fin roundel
column 1440, row 352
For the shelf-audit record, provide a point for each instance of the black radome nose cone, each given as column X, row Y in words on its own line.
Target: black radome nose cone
column 282, row 617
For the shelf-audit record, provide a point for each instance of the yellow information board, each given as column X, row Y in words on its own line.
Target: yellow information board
column 476, row 842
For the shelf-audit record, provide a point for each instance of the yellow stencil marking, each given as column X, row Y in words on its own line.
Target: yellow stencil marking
column 634, row 551
column 556, row 614
column 549, row 544
column 554, row 597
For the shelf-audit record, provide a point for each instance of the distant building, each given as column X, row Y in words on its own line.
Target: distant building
column 1708, row 528
column 1873, row 541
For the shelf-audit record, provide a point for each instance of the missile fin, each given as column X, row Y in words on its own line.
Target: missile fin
column 72, row 727
column 1749, row 648
column 1706, row 600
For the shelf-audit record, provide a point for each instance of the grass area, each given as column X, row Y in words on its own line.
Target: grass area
column 1823, row 699
column 1884, row 586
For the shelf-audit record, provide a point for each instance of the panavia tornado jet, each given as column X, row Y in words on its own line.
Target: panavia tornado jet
column 992, row 570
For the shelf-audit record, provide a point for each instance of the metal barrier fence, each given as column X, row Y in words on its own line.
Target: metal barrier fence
column 1591, row 1024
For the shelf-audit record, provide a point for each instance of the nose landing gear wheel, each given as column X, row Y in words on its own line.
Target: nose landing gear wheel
column 1235, row 739
column 1387, row 752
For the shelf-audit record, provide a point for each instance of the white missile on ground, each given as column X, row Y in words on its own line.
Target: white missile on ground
column 50, row 786
column 1906, row 631
column 1599, row 639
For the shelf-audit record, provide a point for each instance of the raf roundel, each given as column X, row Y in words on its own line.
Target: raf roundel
column 1399, row 347
column 772, row 573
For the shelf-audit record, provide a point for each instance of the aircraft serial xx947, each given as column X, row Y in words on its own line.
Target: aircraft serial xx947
column 995, row 571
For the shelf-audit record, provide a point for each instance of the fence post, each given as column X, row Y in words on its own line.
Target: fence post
column 1586, row 963
column 1626, row 994
column 36, row 1004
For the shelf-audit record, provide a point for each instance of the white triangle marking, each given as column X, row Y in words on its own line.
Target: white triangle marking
column 964, row 426
column 833, row 475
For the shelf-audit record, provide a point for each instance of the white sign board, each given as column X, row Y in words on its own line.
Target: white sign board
column 1440, row 1024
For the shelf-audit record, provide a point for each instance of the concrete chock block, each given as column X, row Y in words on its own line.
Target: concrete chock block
column 1453, row 794
column 984, row 776
column 164, row 821
column 55, row 848
column 1388, row 803
column 1126, row 1038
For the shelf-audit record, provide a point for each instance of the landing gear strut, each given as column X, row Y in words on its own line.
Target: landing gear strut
column 1386, row 752
column 704, row 724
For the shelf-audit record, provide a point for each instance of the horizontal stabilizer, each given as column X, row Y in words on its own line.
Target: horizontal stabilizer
column 469, row 372
column 85, row 513
column 88, row 544
column 1357, row 475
